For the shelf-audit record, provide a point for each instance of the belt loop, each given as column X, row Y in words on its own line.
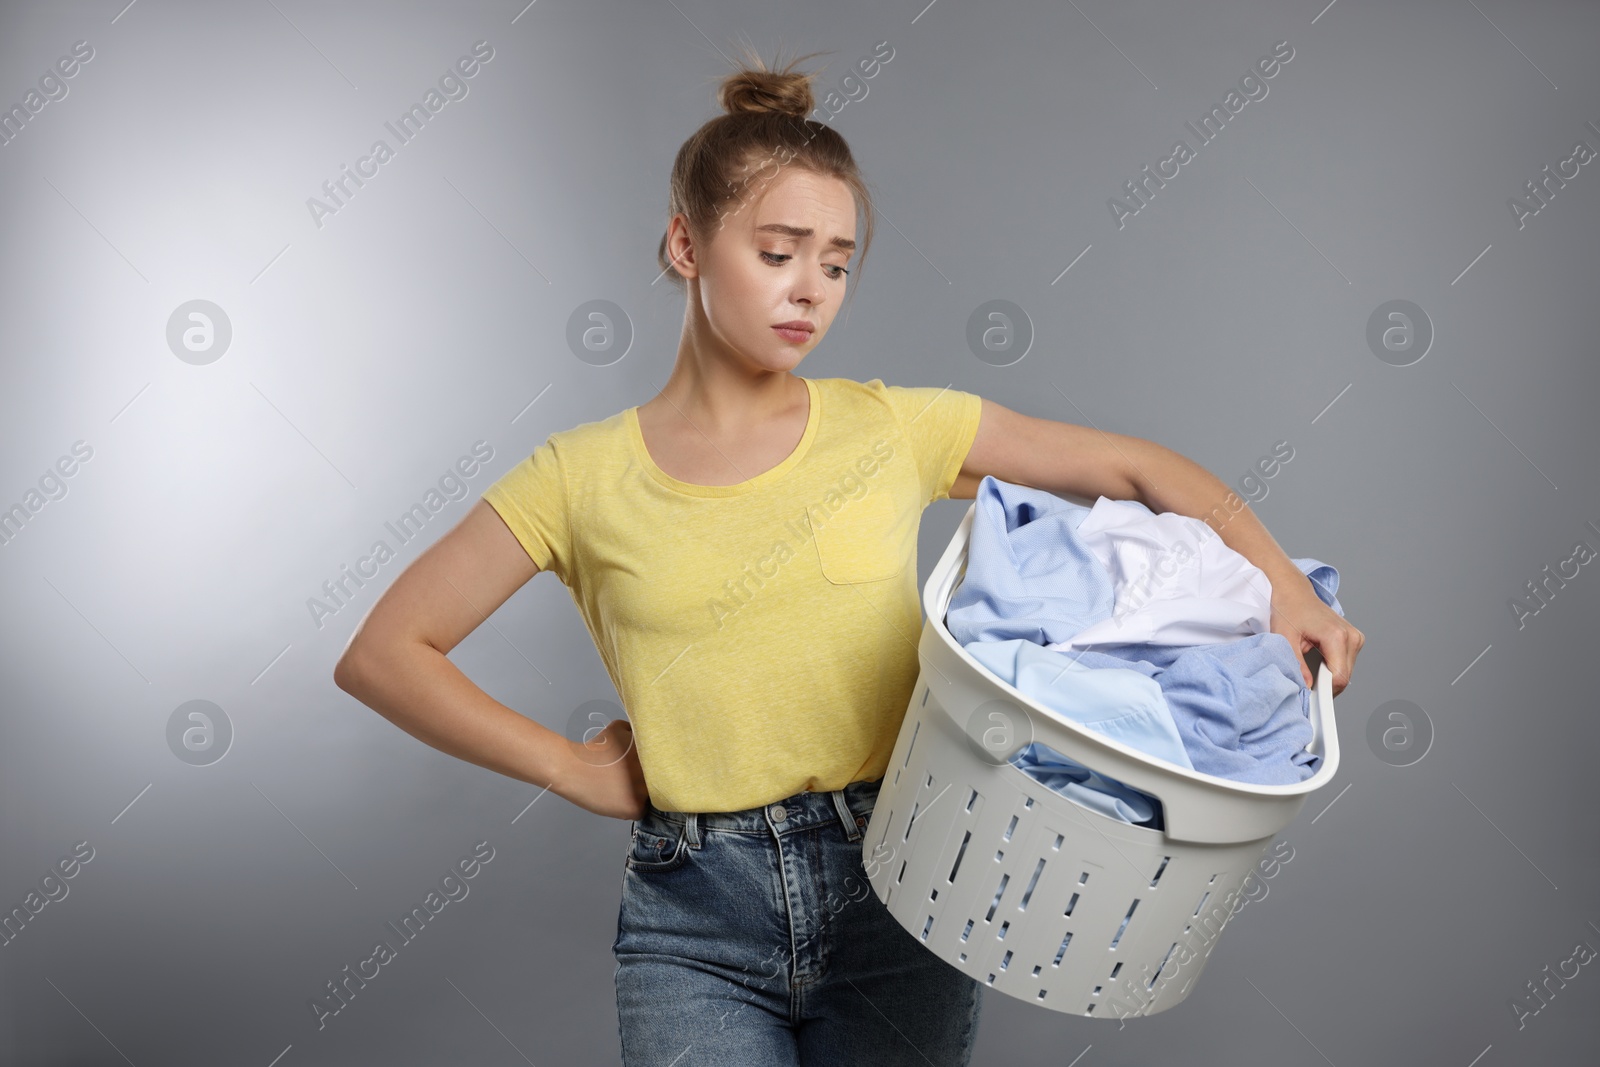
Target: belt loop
column 852, row 830
column 691, row 825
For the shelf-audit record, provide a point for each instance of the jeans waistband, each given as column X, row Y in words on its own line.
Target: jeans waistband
column 850, row 807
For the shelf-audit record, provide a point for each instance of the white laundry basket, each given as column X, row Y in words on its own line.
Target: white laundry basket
column 1033, row 894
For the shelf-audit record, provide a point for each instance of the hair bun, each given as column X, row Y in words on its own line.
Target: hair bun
column 754, row 88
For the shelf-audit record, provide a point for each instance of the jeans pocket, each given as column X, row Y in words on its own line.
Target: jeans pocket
column 654, row 848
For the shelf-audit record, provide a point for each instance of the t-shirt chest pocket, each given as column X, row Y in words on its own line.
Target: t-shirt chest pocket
column 872, row 535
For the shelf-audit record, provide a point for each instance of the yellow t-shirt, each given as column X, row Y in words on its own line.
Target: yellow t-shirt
column 762, row 636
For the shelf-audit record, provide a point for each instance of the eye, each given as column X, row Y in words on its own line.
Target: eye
column 777, row 259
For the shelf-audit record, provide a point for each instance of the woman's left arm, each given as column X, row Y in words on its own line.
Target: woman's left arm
column 1064, row 458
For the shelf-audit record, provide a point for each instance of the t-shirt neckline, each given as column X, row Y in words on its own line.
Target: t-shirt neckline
column 642, row 453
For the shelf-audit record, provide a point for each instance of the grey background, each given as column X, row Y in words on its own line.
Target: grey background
column 369, row 354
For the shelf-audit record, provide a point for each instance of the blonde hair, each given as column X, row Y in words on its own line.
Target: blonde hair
column 765, row 123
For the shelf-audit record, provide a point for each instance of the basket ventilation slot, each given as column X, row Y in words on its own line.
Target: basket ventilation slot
column 1124, row 925
column 1152, row 983
column 962, row 851
column 1004, row 878
column 915, row 730
column 1027, row 893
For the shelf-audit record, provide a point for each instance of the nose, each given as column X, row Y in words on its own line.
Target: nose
column 809, row 293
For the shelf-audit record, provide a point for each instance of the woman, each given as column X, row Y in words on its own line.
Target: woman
column 742, row 549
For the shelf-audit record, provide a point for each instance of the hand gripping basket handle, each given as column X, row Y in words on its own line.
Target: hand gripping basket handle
column 1196, row 807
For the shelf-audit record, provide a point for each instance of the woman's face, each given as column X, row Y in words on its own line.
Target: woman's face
column 777, row 256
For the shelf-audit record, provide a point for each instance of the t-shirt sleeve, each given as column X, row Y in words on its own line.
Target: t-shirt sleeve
column 941, row 425
column 532, row 499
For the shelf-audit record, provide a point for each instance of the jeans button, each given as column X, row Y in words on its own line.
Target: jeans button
column 778, row 813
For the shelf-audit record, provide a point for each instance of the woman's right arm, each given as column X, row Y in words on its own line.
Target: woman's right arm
column 397, row 663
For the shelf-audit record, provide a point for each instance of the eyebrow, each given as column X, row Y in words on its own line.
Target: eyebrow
column 805, row 231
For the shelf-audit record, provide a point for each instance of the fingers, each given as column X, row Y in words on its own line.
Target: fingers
column 1341, row 656
column 1338, row 642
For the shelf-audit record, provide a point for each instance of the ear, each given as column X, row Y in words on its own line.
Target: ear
column 680, row 247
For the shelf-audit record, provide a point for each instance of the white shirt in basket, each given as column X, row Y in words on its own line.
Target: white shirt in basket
column 1175, row 581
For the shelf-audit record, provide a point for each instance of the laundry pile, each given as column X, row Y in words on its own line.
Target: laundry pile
column 1146, row 628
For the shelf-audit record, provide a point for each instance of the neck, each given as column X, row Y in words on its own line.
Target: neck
column 719, row 390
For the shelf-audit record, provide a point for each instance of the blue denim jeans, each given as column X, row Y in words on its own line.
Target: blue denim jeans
column 753, row 938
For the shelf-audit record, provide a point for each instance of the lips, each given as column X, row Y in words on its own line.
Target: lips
column 796, row 332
